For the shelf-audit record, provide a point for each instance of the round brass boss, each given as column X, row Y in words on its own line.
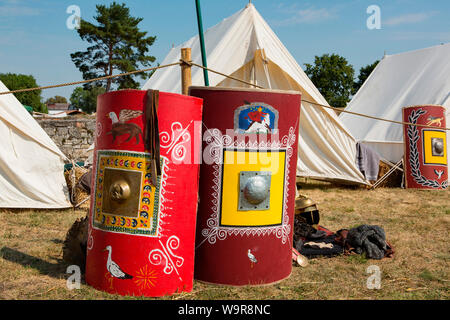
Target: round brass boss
column 120, row 190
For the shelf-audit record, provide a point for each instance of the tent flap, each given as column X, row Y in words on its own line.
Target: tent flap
column 407, row 79
column 31, row 165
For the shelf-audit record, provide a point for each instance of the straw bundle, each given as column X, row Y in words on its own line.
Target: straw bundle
column 78, row 196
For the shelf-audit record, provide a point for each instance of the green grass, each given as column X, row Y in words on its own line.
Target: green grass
column 416, row 224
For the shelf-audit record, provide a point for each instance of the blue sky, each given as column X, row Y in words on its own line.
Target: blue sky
column 34, row 38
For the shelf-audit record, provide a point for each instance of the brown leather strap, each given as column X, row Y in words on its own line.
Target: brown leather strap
column 152, row 134
column 156, row 131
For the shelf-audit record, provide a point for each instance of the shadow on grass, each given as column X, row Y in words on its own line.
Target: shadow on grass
column 325, row 186
column 55, row 270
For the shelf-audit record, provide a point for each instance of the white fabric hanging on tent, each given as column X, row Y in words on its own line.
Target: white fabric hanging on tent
column 407, row 79
column 244, row 46
column 31, row 165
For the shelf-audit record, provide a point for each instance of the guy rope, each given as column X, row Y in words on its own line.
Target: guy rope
column 185, row 63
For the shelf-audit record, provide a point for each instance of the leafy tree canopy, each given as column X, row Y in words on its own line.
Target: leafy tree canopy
column 30, row 98
column 333, row 77
column 117, row 44
column 364, row 73
column 86, row 99
column 56, row 99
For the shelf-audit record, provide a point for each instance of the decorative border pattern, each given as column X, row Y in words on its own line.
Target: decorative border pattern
column 147, row 221
column 216, row 144
column 171, row 261
column 413, row 135
column 174, row 145
column 175, row 141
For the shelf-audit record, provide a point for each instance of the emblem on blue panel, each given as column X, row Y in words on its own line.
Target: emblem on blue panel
column 256, row 117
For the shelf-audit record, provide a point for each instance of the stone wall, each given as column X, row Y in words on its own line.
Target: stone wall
column 72, row 136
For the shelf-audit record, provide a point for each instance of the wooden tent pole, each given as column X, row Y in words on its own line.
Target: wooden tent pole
column 186, row 77
column 387, row 174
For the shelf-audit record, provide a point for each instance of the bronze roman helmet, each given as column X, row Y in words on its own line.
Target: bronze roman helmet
column 307, row 209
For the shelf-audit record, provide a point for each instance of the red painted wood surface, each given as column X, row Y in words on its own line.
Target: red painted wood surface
column 156, row 254
column 245, row 255
column 422, row 171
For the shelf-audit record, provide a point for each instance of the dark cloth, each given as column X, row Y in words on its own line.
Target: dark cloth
column 304, row 232
column 368, row 161
column 315, row 251
column 368, row 239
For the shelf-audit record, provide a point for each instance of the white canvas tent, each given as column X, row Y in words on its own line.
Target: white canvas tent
column 401, row 80
column 31, row 165
column 245, row 47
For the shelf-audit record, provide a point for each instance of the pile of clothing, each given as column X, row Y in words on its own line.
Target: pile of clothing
column 312, row 240
column 367, row 239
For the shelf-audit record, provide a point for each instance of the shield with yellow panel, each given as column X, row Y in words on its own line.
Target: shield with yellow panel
column 249, row 176
column 142, row 214
column 247, row 185
column 425, row 137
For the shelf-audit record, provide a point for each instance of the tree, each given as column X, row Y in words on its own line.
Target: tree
column 333, row 76
column 56, row 99
column 86, row 99
column 29, row 98
column 118, row 45
column 364, row 73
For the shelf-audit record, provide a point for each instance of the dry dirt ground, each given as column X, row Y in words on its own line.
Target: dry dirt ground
column 416, row 223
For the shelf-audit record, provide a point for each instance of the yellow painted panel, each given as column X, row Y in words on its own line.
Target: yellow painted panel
column 140, row 218
column 236, row 161
column 428, row 149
